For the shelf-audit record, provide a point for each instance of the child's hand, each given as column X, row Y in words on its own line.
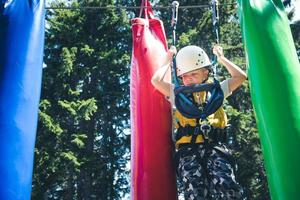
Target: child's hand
column 172, row 51
column 218, row 51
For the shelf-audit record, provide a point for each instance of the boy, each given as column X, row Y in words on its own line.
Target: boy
column 203, row 161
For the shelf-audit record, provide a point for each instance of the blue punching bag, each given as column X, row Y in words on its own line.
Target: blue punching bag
column 21, row 60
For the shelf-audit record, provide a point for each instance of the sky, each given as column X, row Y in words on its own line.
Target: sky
column 297, row 10
column 295, row 4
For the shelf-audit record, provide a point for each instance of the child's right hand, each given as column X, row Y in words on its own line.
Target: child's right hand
column 172, row 51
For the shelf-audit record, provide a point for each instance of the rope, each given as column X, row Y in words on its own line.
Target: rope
column 175, row 6
column 215, row 20
column 129, row 7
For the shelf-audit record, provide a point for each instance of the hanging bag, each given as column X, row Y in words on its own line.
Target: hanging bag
column 152, row 173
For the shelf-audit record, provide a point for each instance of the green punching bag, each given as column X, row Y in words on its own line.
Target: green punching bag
column 274, row 74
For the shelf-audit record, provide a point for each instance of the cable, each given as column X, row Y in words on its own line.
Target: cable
column 175, row 6
column 215, row 20
column 129, row 7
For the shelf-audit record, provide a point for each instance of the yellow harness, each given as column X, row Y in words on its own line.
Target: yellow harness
column 216, row 120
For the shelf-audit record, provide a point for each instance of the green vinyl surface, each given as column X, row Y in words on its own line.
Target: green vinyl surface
column 274, row 76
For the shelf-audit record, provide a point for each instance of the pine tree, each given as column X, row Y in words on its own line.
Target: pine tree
column 82, row 145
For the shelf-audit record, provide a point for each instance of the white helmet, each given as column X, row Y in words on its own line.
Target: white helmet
column 190, row 58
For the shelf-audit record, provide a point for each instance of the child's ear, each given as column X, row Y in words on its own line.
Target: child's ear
column 207, row 71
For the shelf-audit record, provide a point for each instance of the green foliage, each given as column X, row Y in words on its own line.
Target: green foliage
column 70, row 158
column 68, row 59
column 47, row 120
column 79, row 140
column 80, row 108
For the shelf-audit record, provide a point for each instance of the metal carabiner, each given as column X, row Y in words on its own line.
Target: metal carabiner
column 205, row 128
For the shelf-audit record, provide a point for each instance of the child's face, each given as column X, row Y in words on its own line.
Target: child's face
column 195, row 77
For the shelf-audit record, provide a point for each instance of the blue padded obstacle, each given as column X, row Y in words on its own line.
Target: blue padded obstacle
column 21, row 60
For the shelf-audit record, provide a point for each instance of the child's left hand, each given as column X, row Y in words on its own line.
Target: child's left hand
column 218, row 51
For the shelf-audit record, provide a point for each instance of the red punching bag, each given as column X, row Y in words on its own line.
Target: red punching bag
column 152, row 169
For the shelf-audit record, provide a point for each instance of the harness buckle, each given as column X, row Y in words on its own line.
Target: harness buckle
column 205, row 128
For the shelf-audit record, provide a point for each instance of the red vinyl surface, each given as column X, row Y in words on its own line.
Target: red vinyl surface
column 152, row 169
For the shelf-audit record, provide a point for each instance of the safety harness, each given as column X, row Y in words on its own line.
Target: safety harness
column 188, row 108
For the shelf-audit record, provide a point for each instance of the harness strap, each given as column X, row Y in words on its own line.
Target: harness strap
column 196, row 132
column 215, row 135
column 194, row 88
column 189, row 109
